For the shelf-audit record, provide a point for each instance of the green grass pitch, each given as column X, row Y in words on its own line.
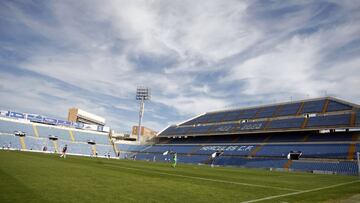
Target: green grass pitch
column 36, row 177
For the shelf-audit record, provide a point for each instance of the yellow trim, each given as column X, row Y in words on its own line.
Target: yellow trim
column 352, row 147
column 304, row 124
column 22, row 142
column 93, row 149
column 287, row 165
column 325, row 107
column 278, row 109
column 72, row 135
column 267, row 124
column 306, row 138
column 351, row 151
column 115, row 147
column 300, row 109
column 36, row 130
column 259, row 147
column 353, row 119
column 55, row 146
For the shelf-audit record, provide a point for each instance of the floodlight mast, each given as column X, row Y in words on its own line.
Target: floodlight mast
column 142, row 94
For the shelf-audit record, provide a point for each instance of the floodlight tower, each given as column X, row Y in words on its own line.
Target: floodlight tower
column 142, row 94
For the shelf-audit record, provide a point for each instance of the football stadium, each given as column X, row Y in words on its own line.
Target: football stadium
column 300, row 151
column 246, row 101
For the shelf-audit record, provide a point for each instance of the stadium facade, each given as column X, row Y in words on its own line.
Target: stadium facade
column 325, row 132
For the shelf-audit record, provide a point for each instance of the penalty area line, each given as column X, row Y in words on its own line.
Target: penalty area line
column 210, row 179
column 300, row 192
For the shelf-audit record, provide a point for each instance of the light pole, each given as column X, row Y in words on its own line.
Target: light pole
column 142, row 94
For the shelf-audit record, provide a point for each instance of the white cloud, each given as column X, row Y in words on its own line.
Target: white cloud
column 287, row 68
column 299, row 66
column 193, row 105
column 100, row 47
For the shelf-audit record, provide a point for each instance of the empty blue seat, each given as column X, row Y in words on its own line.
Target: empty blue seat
column 329, row 120
column 13, row 140
column 288, row 109
column 46, row 131
column 308, row 150
column 85, row 136
column 313, row 106
column 11, row 126
column 286, row 123
column 336, row 106
column 342, row 167
column 267, row 112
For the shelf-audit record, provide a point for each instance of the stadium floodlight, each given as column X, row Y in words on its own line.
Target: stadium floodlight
column 142, row 94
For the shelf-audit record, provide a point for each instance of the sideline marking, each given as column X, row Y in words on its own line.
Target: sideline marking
column 300, row 192
column 209, row 179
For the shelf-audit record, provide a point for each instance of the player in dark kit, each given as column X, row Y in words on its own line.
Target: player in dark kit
column 64, row 152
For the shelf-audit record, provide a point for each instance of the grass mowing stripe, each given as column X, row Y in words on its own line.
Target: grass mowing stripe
column 208, row 179
column 300, row 192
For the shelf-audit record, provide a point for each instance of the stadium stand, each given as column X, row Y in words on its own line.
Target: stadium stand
column 99, row 138
column 286, row 123
column 9, row 140
column 313, row 106
column 34, row 143
column 331, row 121
column 325, row 131
column 46, row 131
column 37, row 136
column 105, row 149
column 7, row 126
column 341, row 167
column 252, row 163
column 337, row 106
column 308, row 150
column 288, row 109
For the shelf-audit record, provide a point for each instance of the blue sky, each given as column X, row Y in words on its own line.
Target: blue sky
column 196, row 56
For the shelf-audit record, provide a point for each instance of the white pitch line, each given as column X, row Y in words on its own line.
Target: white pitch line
column 300, row 192
column 209, row 179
